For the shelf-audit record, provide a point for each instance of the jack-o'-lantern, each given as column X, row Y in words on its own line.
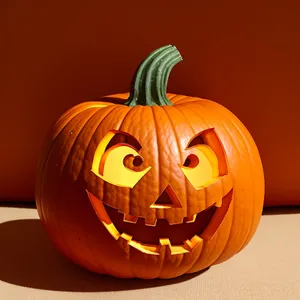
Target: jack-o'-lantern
column 150, row 184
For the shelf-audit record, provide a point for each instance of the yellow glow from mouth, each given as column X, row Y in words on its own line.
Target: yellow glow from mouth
column 189, row 245
column 186, row 247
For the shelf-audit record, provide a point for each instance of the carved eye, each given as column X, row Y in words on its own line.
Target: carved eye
column 191, row 161
column 117, row 160
column 201, row 167
column 206, row 161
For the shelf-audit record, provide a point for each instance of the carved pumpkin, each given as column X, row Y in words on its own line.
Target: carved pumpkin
column 150, row 184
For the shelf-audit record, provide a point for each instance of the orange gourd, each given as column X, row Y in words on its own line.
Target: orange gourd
column 150, row 184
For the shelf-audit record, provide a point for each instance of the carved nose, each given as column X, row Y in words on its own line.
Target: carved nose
column 167, row 199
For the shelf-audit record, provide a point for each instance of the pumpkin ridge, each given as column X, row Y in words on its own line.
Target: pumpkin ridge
column 98, row 121
column 105, row 184
column 75, row 125
column 191, row 128
column 203, row 122
column 252, row 183
column 143, row 114
column 158, row 152
column 252, row 163
column 195, row 259
column 94, row 116
column 71, row 152
column 187, row 100
column 74, row 130
column 71, row 114
column 128, row 197
column 58, row 227
column 171, row 96
column 199, row 262
column 107, row 112
column 180, row 152
column 47, row 147
column 234, row 207
column 257, row 163
column 181, row 98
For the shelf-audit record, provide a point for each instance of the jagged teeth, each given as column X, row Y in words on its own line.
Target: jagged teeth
column 219, row 202
column 193, row 243
column 129, row 218
column 165, row 245
column 153, row 221
column 191, row 219
column 150, row 222
column 123, row 241
column 178, row 221
column 164, row 242
column 126, row 237
column 140, row 247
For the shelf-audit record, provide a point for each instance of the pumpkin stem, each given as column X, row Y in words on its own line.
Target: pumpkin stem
column 149, row 84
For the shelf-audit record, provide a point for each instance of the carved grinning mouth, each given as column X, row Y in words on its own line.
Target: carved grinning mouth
column 179, row 238
column 176, row 233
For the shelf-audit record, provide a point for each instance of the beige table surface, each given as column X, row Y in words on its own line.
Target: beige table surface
column 32, row 269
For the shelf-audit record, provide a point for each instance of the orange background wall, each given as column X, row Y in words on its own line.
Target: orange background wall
column 56, row 54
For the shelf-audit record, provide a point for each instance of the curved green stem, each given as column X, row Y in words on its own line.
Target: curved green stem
column 149, row 85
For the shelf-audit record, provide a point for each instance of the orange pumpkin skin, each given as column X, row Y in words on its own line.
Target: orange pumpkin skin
column 64, row 178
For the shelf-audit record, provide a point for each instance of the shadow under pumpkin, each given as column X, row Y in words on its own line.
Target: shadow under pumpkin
column 29, row 259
